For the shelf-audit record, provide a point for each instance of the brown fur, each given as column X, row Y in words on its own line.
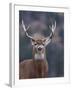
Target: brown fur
column 33, row 69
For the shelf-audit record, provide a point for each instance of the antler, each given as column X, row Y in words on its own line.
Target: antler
column 26, row 29
column 53, row 27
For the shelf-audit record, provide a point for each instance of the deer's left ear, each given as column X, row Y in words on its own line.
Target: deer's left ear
column 47, row 41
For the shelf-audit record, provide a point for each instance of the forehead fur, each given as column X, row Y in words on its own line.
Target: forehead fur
column 39, row 41
column 38, row 37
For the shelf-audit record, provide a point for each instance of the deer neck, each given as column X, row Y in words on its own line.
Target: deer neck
column 39, row 56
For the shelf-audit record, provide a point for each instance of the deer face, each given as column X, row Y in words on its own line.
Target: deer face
column 38, row 45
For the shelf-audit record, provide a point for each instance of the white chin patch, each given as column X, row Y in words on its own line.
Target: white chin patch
column 39, row 57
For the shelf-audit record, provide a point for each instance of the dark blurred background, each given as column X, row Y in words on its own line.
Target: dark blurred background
column 40, row 22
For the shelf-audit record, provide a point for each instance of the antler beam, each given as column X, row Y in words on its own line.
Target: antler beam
column 23, row 25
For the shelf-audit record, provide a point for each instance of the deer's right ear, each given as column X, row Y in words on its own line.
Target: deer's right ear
column 32, row 41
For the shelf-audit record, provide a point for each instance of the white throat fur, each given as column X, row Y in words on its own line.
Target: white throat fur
column 39, row 56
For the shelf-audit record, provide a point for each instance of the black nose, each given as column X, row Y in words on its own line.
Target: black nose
column 39, row 48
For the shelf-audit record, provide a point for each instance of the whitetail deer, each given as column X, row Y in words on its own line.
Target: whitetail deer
column 37, row 67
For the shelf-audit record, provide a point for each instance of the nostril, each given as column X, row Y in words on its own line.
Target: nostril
column 39, row 48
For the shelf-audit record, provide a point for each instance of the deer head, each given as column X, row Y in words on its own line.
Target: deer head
column 39, row 42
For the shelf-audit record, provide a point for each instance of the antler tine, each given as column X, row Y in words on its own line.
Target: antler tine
column 23, row 26
column 53, row 27
column 26, row 29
